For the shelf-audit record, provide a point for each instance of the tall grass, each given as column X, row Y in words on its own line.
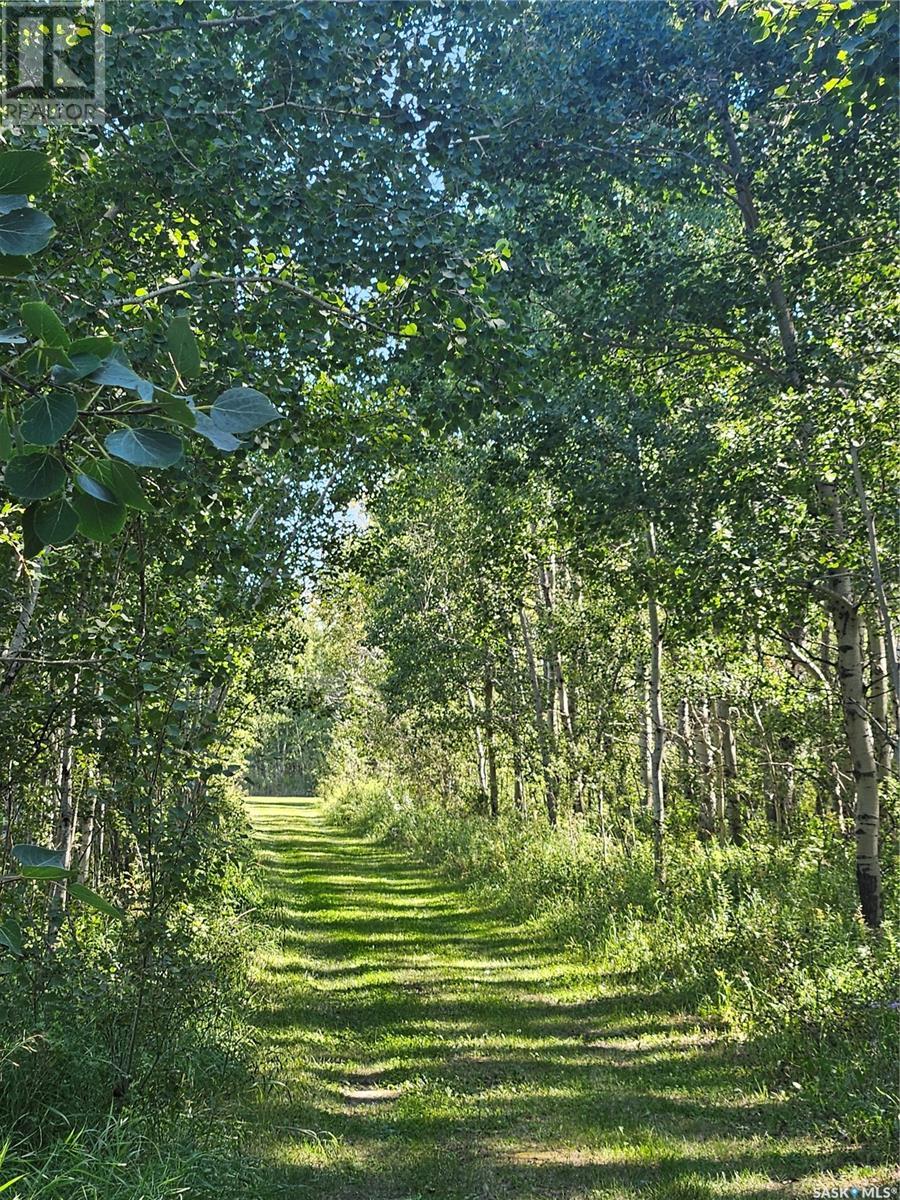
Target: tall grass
column 121, row 1159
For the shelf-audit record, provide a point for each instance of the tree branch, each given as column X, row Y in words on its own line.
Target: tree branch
column 335, row 310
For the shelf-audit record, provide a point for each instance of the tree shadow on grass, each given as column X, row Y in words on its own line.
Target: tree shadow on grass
column 424, row 1046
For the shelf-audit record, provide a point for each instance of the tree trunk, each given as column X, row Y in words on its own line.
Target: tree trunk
column 769, row 774
column 85, row 839
column 490, row 747
column 98, row 840
column 782, row 309
column 540, row 723
column 66, row 815
column 848, row 628
column 879, row 707
column 732, row 799
column 605, row 742
column 519, row 799
column 889, row 642
column 562, row 724
column 10, row 662
column 686, row 749
column 718, row 779
column 480, row 756
column 564, row 719
column 87, row 816
column 703, row 755
column 658, row 726
column 829, row 784
column 787, row 781
column 844, row 609
column 645, row 734
column 519, row 796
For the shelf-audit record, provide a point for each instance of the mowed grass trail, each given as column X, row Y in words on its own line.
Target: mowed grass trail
column 422, row 1046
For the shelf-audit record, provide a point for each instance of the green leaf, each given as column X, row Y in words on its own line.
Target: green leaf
column 112, row 372
column 31, row 543
column 178, row 408
column 242, row 409
column 97, row 520
column 183, row 348
column 24, row 171
column 39, row 862
column 219, row 437
column 122, row 482
column 42, row 322
column 55, row 522
column 11, row 937
column 145, row 447
column 34, row 476
column 13, row 264
column 92, row 487
column 101, row 346
column 46, row 419
column 24, row 231
column 80, row 365
column 27, row 854
column 86, row 896
column 10, row 203
column 6, row 442
column 54, row 356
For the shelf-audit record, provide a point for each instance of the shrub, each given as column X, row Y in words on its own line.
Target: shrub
column 125, row 1019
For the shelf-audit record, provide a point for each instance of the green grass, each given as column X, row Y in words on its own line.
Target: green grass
column 421, row 1045
column 122, row 1160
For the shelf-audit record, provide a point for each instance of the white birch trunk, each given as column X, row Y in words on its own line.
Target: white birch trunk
column 848, row 628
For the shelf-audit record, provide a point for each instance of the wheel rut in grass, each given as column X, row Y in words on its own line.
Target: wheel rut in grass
column 422, row 1045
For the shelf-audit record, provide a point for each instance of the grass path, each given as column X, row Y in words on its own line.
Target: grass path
column 424, row 1047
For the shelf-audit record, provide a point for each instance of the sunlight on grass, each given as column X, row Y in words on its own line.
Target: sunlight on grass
column 420, row 1046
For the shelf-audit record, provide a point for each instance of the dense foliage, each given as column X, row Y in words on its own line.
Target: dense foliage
column 488, row 408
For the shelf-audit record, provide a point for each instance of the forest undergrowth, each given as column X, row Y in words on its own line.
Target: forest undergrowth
column 127, row 1055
